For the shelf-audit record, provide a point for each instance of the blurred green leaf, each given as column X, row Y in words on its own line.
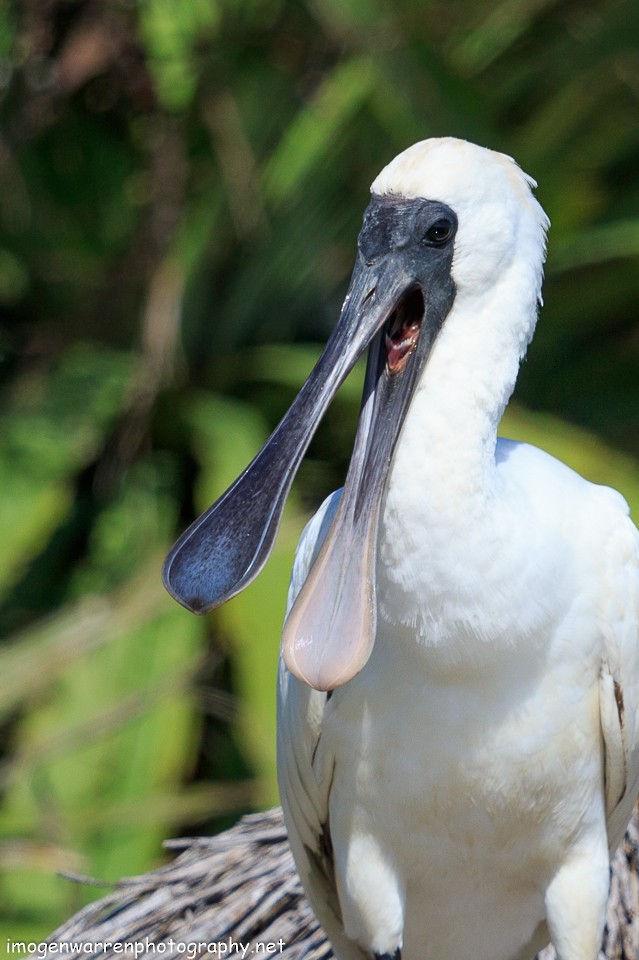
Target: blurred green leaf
column 308, row 140
column 14, row 278
column 172, row 30
column 597, row 245
column 51, row 427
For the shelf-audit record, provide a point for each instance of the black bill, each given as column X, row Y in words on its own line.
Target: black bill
column 400, row 294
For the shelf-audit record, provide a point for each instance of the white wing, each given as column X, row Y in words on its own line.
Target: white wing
column 619, row 677
column 304, row 787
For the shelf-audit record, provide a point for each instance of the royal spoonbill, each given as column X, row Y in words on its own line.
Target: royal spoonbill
column 459, row 687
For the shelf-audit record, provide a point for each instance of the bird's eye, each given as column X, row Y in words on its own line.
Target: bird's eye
column 439, row 232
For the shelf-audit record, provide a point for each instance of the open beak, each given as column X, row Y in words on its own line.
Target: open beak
column 330, row 630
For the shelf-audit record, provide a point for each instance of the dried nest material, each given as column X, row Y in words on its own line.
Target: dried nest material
column 237, row 895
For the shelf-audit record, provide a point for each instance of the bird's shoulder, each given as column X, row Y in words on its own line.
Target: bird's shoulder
column 604, row 549
column 598, row 546
column 550, row 483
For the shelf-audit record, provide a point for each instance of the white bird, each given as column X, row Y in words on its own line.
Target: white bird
column 470, row 603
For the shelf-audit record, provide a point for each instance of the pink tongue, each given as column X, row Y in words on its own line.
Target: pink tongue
column 399, row 344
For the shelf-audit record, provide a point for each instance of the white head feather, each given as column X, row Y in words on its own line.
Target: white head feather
column 498, row 215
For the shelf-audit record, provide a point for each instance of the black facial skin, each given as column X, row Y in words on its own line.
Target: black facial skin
column 404, row 261
column 403, row 237
column 393, row 224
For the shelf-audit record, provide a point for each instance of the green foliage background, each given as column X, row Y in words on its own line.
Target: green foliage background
column 181, row 186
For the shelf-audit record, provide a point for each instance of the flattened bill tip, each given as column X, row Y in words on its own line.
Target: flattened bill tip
column 329, row 632
column 333, row 669
column 184, row 594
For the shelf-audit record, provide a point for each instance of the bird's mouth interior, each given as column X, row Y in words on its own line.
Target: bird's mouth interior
column 401, row 332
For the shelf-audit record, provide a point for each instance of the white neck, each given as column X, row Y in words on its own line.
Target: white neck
column 446, row 450
column 438, row 516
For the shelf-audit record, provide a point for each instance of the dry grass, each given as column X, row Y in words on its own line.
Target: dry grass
column 241, row 887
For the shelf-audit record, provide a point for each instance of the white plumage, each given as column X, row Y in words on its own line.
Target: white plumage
column 469, row 782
